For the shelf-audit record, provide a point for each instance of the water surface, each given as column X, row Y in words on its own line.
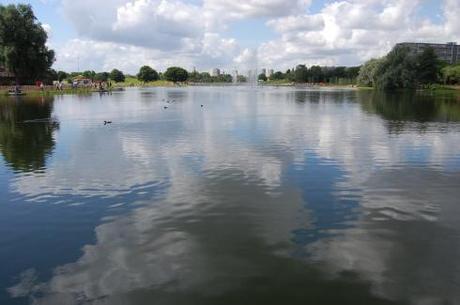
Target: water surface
column 260, row 196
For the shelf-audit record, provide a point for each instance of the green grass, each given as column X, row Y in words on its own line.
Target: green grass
column 134, row 82
column 281, row 82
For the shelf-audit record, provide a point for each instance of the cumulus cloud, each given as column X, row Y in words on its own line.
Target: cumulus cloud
column 194, row 33
column 350, row 32
column 254, row 8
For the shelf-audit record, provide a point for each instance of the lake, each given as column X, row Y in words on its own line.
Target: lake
column 230, row 195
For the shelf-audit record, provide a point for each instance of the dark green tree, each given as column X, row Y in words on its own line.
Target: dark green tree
column 117, row 76
column 398, row 70
column 428, row 67
column 277, row 76
column 89, row 74
column 176, row 74
column 102, row 76
column 205, row 77
column 262, row 77
column 23, row 47
column 62, row 75
column 241, row 79
column 301, row 74
column 316, row 74
column 50, row 76
column 147, row 74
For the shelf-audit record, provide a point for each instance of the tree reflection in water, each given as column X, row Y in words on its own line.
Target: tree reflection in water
column 26, row 132
column 410, row 109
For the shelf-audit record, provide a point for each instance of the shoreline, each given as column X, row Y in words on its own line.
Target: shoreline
column 51, row 90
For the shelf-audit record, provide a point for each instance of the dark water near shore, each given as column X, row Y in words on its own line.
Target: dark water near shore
column 261, row 196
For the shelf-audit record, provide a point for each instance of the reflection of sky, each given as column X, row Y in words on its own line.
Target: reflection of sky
column 263, row 173
column 329, row 213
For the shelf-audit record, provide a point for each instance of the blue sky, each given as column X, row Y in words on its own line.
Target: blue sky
column 218, row 33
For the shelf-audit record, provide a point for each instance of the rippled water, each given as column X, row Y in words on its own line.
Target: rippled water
column 261, row 196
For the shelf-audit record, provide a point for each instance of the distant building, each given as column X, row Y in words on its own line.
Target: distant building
column 448, row 52
column 215, row 72
column 270, row 72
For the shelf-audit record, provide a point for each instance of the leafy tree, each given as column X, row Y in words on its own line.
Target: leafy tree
column 352, row 72
column 117, row 76
column 290, row 75
column 368, row 72
column 262, row 77
column 428, row 67
column 89, row 74
column 61, row 75
column 316, row 74
column 277, row 76
column 176, row 74
column 241, row 79
column 451, row 74
column 194, row 76
column 50, row 76
column 205, row 77
column 23, row 47
column 102, row 76
column 301, row 74
column 147, row 74
column 397, row 70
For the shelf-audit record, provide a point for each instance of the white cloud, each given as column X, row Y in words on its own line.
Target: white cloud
column 254, row 8
column 350, row 32
column 180, row 32
column 297, row 23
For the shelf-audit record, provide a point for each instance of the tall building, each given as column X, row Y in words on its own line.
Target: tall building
column 448, row 52
column 270, row 72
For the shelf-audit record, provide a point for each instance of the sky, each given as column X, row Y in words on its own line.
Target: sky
column 238, row 34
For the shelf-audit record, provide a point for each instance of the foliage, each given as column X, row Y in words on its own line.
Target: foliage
column 397, row 70
column 316, row 74
column 301, row 74
column 176, row 74
column 102, row 76
column 428, row 67
column 23, row 47
column 147, row 74
column 61, row 75
column 262, row 77
column 117, row 76
column 400, row 68
column 278, row 75
column 367, row 73
column 205, row 77
column 241, row 79
column 89, row 74
column 50, row 76
column 451, row 74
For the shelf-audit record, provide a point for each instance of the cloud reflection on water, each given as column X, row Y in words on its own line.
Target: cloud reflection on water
column 242, row 190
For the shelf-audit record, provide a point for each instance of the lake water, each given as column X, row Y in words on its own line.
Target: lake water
column 262, row 196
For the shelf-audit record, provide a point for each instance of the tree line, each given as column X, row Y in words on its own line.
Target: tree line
column 401, row 68
column 314, row 74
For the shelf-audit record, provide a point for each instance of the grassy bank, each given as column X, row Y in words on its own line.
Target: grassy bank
column 134, row 82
